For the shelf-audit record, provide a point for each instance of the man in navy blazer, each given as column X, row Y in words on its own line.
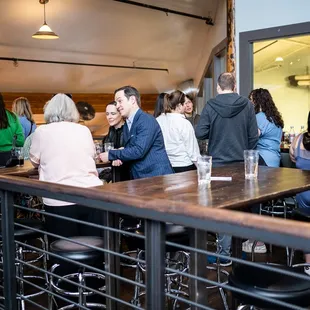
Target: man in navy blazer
column 144, row 147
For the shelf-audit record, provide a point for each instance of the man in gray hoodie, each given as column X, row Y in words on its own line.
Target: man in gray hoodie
column 229, row 122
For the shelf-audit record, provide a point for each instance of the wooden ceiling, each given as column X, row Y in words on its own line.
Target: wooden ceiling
column 104, row 32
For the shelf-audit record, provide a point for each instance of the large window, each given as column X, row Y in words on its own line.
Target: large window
column 278, row 59
column 282, row 66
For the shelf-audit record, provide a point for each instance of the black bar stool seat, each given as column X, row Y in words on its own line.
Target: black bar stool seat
column 77, row 252
column 274, row 285
column 23, row 234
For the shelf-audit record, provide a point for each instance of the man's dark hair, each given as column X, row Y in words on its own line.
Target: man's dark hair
column 226, row 81
column 130, row 91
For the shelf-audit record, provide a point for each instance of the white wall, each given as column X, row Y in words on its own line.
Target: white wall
column 216, row 34
column 259, row 14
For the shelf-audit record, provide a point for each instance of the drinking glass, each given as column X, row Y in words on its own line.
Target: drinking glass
column 19, row 155
column 251, row 164
column 204, row 168
column 108, row 146
column 99, row 149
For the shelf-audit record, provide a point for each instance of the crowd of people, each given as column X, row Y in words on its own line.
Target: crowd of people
column 148, row 145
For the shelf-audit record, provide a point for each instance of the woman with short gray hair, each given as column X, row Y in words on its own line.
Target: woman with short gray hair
column 61, row 109
column 64, row 151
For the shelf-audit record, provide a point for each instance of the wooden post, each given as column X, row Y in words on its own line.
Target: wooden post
column 231, row 47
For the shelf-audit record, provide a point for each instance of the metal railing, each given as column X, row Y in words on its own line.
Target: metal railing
column 141, row 265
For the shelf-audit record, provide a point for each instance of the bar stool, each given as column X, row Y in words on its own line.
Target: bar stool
column 179, row 260
column 135, row 247
column 81, row 254
column 302, row 215
column 268, row 284
column 24, row 235
column 279, row 208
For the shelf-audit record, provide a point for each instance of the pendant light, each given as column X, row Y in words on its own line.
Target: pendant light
column 45, row 32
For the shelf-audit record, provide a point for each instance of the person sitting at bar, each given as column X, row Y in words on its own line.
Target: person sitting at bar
column 21, row 107
column 270, row 125
column 64, row 152
column 179, row 136
column 300, row 154
column 144, row 146
column 159, row 105
column 11, row 132
column 115, row 135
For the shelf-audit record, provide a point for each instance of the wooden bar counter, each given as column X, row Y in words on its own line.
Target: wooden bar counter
column 178, row 199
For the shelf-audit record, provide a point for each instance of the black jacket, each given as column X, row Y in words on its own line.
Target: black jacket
column 229, row 122
column 115, row 136
column 121, row 173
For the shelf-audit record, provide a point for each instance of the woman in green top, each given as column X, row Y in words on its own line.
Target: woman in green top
column 9, row 127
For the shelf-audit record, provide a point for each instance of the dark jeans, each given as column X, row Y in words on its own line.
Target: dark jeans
column 184, row 169
column 67, row 228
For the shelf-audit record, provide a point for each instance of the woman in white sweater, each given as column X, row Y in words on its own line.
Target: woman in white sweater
column 179, row 136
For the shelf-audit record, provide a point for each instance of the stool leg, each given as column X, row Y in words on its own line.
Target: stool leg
column 218, row 274
column 20, row 274
column 82, row 297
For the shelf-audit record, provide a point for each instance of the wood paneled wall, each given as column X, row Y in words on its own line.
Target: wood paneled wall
column 98, row 101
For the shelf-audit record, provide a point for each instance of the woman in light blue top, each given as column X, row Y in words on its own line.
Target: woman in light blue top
column 270, row 124
column 21, row 107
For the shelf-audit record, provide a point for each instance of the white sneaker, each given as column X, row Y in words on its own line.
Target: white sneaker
column 307, row 270
column 247, row 247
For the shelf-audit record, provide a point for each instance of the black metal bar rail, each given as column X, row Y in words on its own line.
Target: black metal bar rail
column 140, row 266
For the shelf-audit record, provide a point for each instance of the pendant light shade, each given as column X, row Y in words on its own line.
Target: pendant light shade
column 45, row 32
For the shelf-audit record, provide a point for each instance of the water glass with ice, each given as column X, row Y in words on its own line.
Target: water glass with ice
column 251, row 164
column 108, row 146
column 204, row 168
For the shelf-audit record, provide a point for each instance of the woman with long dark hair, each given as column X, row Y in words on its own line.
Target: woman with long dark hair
column 159, row 105
column 11, row 132
column 115, row 135
column 270, row 124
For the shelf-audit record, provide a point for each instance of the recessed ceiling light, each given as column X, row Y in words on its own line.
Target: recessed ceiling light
column 298, row 59
column 291, row 63
column 279, row 58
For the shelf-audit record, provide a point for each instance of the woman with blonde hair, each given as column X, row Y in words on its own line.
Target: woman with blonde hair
column 22, row 108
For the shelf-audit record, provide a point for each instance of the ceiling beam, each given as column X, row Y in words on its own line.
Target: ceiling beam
column 17, row 60
column 208, row 19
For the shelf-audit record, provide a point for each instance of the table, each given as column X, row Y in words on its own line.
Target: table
column 178, row 196
column 27, row 170
column 238, row 194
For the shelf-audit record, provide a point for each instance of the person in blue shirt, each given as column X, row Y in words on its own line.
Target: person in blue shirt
column 270, row 125
column 300, row 154
column 21, row 107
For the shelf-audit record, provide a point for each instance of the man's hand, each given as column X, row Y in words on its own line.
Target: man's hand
column 117, row 163
column 104, row 157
